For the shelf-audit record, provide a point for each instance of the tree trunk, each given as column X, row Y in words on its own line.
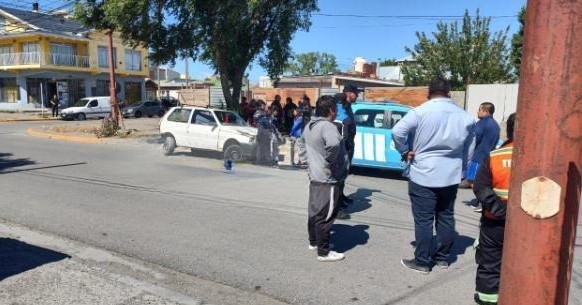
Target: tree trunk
column 231, row 99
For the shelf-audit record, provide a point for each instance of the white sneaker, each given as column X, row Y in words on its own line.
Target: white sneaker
column 332, row 256
column 315, row 247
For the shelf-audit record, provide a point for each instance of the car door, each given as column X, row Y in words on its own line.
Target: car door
column 92, row 109
column 203, row 130
column 177, row 124
column 373, row 145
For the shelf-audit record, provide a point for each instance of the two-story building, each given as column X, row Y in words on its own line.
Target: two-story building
column 46, row 54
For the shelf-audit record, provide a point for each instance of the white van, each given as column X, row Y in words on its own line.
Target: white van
column 88, row 107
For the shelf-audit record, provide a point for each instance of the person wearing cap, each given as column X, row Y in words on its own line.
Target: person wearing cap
column 345, row 116
column 435, row 139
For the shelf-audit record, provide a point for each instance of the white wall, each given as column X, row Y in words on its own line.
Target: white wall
column 503, row 96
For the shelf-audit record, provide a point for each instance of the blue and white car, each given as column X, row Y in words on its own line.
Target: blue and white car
column 373, row 143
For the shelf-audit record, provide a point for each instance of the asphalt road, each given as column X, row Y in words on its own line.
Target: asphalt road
column 245, row 229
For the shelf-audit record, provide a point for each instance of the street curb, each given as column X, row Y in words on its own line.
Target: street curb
column 35, row 133
column 23, row 120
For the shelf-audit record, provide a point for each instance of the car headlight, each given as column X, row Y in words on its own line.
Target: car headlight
column 252, row 139
column 129, row 110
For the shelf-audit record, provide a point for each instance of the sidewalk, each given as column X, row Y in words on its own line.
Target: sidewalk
column 25, row 116
column 37, row 268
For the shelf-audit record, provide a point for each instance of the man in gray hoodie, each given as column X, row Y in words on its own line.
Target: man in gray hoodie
column 328, row 166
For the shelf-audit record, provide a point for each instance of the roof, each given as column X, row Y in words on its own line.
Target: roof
column 380, row 105
column 44, row 22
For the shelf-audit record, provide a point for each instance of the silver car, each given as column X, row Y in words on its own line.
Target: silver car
column 149, row 108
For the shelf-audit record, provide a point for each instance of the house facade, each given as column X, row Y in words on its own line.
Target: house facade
column 42, row 55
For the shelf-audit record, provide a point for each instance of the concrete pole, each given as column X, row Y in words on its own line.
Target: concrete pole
column 546, row 182
column 112, row 83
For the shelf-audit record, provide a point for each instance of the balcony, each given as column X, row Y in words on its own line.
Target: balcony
column 44, row 59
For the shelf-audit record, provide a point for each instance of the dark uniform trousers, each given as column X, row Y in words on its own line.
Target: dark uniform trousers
column 488, row 255
column 323, row 208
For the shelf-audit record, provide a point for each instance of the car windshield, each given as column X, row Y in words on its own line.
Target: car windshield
column 229, row 118
column 82, row 102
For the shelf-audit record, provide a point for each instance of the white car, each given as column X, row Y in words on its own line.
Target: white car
column 207, row 129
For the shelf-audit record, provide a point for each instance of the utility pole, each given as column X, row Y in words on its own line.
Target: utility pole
column 112, row 83
column 545, row 188
column 187, row 73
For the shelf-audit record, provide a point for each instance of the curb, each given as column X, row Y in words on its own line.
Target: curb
column 35, row 133
column 23, row 120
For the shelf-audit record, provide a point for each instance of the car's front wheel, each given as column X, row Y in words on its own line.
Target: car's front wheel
column 81, row 116
column 161, row 113
column 233, row 152
column 137, row 114
column 169, row 145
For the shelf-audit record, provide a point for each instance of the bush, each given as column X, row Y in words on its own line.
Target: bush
column 109, row 128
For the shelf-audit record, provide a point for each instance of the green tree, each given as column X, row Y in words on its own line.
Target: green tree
column 228, row 34
column 517, row 43
column 465, row 54
column 388, row 62
column 312, row 63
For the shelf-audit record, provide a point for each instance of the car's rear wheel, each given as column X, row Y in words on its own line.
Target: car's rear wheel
column 169, row 145
column 81, row 117
column 137, row 114
column 233, row 152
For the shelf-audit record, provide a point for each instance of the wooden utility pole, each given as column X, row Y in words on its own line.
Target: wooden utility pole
column 544, row 196
column 112, row 83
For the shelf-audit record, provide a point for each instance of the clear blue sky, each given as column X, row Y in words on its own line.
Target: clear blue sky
column 368, row 37
column 373, row 38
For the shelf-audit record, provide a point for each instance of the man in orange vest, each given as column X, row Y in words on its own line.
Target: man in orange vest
column 491, row 189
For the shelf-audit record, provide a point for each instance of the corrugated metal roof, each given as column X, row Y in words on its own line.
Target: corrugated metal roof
column 45, row 22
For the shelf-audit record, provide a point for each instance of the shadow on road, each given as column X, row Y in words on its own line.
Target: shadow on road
column 346, row 237
column 361, row 200
column 6, row 162
column 459, row 247
column 17, row 257
column 377, row 173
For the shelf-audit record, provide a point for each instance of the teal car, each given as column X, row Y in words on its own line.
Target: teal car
column 373, row 145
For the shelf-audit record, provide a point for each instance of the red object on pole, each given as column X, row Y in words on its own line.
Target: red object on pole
column 546, row 182
column 112, row 83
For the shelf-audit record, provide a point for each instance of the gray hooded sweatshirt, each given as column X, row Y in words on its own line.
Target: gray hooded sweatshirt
column 325, row 151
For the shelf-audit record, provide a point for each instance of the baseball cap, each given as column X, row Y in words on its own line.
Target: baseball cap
column 352, row 88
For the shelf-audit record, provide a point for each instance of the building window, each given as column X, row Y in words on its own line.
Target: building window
column 2, row 24
column 63, row 54
column 102, row 88
column 132, row 60
column 6, row 55
column 103, row 54
column 8, row 90
column 30, row 53
column 132, row 92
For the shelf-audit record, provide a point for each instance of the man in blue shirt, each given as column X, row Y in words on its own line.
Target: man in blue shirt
column 486, row 138
column 435, row 138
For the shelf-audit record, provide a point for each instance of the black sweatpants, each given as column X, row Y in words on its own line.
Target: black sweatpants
column 323, row 207
column 488, row 256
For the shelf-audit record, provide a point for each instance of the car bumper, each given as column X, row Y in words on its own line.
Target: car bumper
column 248, row 149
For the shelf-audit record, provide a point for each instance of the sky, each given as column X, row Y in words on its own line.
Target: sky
column 383, row 30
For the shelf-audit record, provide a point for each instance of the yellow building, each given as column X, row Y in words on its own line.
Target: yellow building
column 46, row 54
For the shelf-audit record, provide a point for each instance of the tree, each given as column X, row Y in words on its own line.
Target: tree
column 517, row 43
column 226, row 34
column 465, row 55
column 313, row 63
column 388, row 62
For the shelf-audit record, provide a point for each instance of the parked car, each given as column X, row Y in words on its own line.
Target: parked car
column 149, row 108
column 88, row 107
column 373, row 143
column 168, row 102
column 207, row 129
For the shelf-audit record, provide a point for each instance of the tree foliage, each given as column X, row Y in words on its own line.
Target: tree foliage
column 517, row 43
column 312, row 63
column 226, row 34
column 465, row 54
column 388, row 62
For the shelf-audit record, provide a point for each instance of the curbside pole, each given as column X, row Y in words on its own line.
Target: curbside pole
column 544, row 198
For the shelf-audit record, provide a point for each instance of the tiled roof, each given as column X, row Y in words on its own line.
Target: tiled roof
column 46, row 22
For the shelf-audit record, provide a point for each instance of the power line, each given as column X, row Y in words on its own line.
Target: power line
column 420, row 17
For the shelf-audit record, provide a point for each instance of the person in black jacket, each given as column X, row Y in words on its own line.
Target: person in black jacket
column 491, row 187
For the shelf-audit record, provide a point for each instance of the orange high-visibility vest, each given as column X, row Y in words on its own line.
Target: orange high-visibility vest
column 500, row 166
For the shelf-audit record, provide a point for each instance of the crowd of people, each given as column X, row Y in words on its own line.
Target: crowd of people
column 442, row 146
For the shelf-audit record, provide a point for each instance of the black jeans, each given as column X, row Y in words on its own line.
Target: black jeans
column 488, row 256
column 433, row 206
column 55, row 111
